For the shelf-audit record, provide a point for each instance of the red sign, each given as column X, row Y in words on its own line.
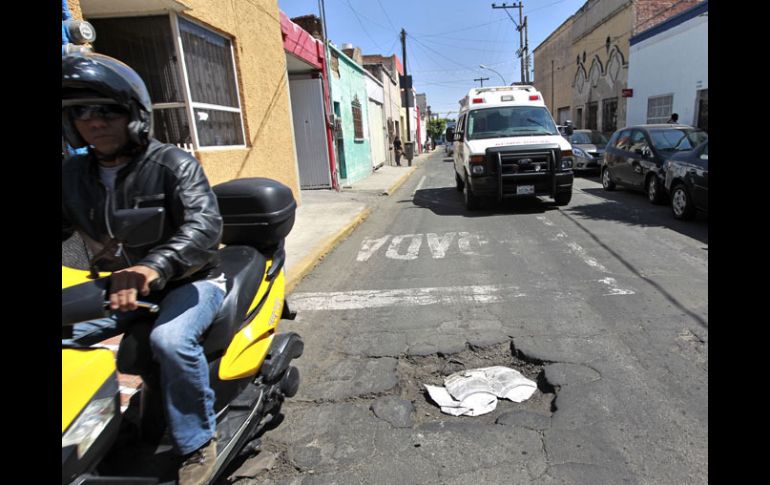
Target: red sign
column 628, row 93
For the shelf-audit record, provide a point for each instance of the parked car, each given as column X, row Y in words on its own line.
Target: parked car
column 687, row 180
column 449, row 135
column 587, row 149
column 635, row 156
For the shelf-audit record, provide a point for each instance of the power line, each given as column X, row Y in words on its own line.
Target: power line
column 358, row 15
column 439, row 53
column 546, row 6
column 386, row 15
column 459, row 30
column 362, row 25
column 464, row 48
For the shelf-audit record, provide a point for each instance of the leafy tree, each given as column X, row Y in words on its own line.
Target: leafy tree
column 436, row 127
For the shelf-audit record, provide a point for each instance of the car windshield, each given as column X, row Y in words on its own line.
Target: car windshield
column 677, row 139
column 589, row 138
column 512, row 121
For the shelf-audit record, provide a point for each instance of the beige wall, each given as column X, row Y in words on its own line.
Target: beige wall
column 261, row 65
column 586, row 32
column 254, row 28
column 592, row 42
column 554, row 81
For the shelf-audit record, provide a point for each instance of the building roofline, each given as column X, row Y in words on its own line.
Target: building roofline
column 347, row 58
column 680, row 18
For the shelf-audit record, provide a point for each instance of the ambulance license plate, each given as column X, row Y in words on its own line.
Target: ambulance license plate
column 525, row 189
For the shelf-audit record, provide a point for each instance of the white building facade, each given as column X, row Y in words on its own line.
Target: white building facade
column 378, row 132
column 668, row 71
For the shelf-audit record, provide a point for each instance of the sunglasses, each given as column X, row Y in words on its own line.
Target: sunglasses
column 107, row 112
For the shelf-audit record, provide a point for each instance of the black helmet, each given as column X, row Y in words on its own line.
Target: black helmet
column 91, row 78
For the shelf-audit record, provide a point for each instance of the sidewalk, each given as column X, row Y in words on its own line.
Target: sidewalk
column 326, row 217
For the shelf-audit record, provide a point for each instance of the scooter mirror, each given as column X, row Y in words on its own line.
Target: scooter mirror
column 138, row 227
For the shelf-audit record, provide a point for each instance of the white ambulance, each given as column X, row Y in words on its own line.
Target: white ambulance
column 506, row 144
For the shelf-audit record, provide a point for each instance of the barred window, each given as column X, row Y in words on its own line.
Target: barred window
column 659, row 108
column 358, row 123
column 150, row 46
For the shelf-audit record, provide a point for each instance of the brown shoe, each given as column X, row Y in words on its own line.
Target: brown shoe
column 198, row 466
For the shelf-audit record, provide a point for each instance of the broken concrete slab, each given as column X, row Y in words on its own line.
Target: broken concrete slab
column 398, row 412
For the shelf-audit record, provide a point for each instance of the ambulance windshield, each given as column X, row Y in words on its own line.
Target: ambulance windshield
column 510, row 121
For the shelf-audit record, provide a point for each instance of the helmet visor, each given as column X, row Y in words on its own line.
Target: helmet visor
column 109, row 112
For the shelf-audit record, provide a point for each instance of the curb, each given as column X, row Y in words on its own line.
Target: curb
column 400, row 181
column 306, row 265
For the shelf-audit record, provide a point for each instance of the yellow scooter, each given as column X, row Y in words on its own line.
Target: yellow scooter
column 249, row 361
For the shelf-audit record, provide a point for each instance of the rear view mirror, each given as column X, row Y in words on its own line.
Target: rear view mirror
column 450, row 134
column 138, row 227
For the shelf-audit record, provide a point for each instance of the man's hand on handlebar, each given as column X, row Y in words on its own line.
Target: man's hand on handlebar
column 126, row 283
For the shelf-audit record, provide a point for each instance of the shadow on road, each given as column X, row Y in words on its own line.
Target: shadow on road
column 633, row 208
column 447, row 201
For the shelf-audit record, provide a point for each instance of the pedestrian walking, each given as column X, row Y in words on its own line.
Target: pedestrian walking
column 398, row 150
column 674, row 118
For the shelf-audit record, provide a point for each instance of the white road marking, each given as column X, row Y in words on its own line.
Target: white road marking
column 411, row 252
column 419, row 186
column 593, row 263
column 439, row 245
column 354, row 300
column 466, row 242
column 370, row 246
column 614, row 290
column 575, row 247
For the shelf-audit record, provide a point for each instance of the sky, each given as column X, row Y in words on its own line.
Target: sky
column 446, row 40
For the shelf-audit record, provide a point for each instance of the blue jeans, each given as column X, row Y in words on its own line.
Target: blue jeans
column 185, row 313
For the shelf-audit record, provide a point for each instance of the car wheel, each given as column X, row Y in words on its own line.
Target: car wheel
column 472, row 202
column 607, row 182
column 563, row 198
column 681, row 203
column 459, row 182
column 654, row 190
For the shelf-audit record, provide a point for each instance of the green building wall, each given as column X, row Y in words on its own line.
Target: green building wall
column 355, row 163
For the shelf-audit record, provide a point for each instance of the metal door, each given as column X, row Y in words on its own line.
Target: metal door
column 376, row 134
column 307, row 111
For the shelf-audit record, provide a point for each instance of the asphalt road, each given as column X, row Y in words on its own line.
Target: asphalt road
column 602, row 302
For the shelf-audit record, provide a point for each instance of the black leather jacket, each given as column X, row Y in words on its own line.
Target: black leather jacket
column 162, row 176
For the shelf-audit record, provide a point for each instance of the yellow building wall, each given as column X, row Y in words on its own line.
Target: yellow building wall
column 261, row 66
column 255, row 30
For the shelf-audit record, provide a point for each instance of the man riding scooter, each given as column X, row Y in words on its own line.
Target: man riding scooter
column 106, row 107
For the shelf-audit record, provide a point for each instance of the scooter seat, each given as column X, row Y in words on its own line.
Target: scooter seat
column 244, row 268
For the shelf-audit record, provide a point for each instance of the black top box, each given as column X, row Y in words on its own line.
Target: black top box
column 257, row 212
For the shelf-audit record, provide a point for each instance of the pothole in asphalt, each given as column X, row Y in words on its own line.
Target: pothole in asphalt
column 415, row 371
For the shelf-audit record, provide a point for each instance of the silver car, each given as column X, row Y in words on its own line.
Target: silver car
column 587, row 149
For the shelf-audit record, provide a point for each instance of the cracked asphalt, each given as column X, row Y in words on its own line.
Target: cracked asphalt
column 603, row 302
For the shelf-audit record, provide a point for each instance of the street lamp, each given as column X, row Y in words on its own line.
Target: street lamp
column 490, row 69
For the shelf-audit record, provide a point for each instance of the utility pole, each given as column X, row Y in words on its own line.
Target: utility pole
column 482, row 79
column 406, row 91
column 329, row 115
column 520, row 28
column 526, row 48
